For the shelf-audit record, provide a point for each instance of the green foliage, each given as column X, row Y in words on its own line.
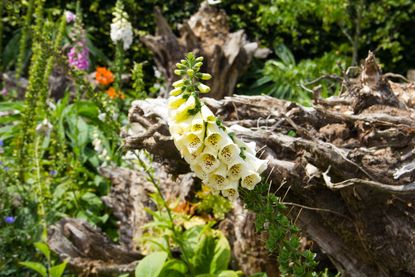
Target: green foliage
column 283, row 78
column 282, row 234
column 203, row 250
column 51, row 270
column 212, row 203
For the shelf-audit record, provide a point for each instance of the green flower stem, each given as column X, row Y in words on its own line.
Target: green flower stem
column 119, row 64
column 40, row 190
column 176, row 236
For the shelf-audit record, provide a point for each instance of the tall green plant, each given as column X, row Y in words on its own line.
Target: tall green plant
column 24, row 36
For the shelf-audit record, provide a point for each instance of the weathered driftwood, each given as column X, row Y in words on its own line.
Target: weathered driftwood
column 227, row 55
column 348, row 173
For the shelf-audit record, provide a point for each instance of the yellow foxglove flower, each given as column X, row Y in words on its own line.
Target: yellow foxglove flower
column 178, row 83
column 182, row 113
column 216, row 137
column 198, row 125
column 207, row 114
column 208, row 161
column 229, row 153
column 197, row 169
column 249, row 181
column 218, row 178
column 257, row 164
column 249, row 147
column 190, row 141
column 203, row 88
column 236, row 168
column 231, row 192
column 190, row 158
column 175, row 102
column 176, row 91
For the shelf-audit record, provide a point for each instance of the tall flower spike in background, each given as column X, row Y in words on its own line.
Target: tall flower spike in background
column 218, row 158
column 78, row 55
column 121, row 29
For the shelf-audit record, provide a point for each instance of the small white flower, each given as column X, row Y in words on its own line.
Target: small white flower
column 102, row 116
column 213, row 2
column 45, row 127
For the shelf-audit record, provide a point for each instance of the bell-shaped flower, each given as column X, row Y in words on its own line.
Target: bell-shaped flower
column 191, row 142
column 197, row 125
column 247, row 147
column 236, row 168
column 203, row 88
column 182, row 113
column 176, row 91
column 208, row 161
column 175, row 102
column 216, row 137
column 229, row 153
column 207, row 114
column 190, row 158
column 250, row 180
column 179, row 129
column 218, row 178
column 197, row 169
column 257, row 164
column 231, row 191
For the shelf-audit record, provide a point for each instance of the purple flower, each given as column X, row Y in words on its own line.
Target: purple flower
column 79, row 56
column 6, row 168
column 53, row 172
column 9, row 219
column 1, row 143
column 4, row 92
column 70, row 16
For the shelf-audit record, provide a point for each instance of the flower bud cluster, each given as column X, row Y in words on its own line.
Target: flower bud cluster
column 217, row 157
column 121, row 29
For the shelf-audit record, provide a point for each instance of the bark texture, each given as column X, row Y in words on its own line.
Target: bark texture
column 348, row 173
column 227, row 54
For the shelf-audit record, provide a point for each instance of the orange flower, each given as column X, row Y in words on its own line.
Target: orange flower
column 104, row 76
column 112, row 93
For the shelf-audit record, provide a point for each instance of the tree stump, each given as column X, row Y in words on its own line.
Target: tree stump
column 348, row 172
column 345, row 166
column 227, row 55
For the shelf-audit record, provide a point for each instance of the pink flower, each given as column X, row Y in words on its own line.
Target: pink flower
column 70, row 16
column 79, row 56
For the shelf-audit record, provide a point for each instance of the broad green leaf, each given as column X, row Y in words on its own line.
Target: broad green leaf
column 204, row 254
column 228, row 273
column 222, row 255
column 151, row 265
column 39, row 268
column 44, row 248
column 57, row 270
column 174, row 265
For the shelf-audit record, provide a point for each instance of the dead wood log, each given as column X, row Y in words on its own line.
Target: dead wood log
column 348, row 172
column 227, row 55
